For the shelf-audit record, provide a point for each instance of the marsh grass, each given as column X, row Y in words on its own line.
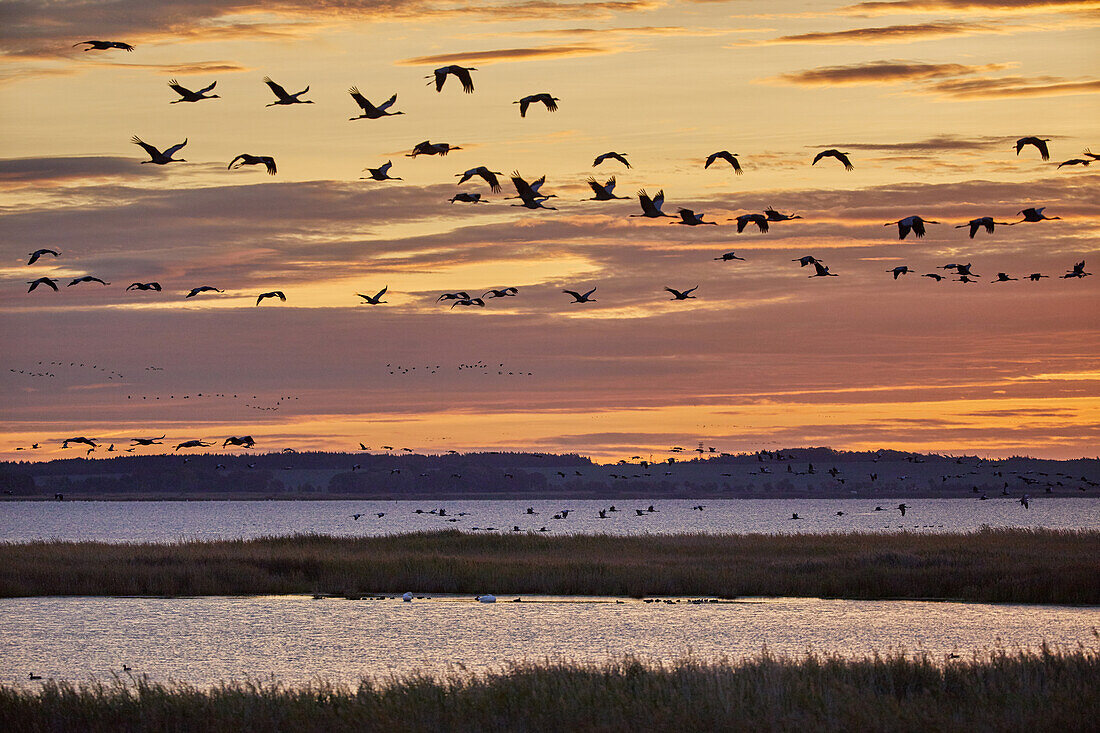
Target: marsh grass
column 1003, row 691
column 990, row 565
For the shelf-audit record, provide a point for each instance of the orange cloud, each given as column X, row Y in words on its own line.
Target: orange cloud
column 879, row 72
column 507, row 54
column 968, row 6
column 885, row 34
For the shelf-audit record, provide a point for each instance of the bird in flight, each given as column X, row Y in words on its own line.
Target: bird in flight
column 245, row 441
column 86, row 279
column 986, row 222
column 104, row 45
column 381, row 173
column 460, row 295
column 144, row 286
column 273, row 294
column 581, row 298
column 283, row 97
column 834, row 153
column 1040, row 144
column 682, row 295
column 725, row 155
column 202, row 289
column 377, row 299
column 1035, row 215
column 651, row 207
column 246, row 159
column 900, row 270
column 146, row 441
column 729, row 256
column 194, row 444
column 81, row 439
column 1075, row 161
column 468, row 198
column 371, row 112
column 1036, row 276
column 50, row 282
column 805, row 260
column 550, row 102
column 529, row 193
column 759, row 220
column 158, row 157
column 603, row 192
column 910, row 223
column 468, row 302
column 428, row 148
column 186, row 95
column 462, row 73
column 691, row 219
column 502, row 293
column 1077, row 271
column 774, row 215
column 489, row 176
column 934, row 275
column 1002, row 277
column 822, row 271
column 39, row 253
column 621, row 157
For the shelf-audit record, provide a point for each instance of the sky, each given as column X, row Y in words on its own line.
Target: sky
column 926, row 96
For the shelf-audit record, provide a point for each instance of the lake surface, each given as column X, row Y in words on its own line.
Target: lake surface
column 169, row 521
column 296, row 638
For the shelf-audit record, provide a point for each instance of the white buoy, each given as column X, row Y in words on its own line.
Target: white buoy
column 407, row 598
column 488, row 598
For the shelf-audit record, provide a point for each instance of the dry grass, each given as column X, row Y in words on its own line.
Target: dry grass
column 1020, row 691
column 1009, row 565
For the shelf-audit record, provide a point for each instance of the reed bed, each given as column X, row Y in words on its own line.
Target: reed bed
column 1005, row 691
column 990, row 565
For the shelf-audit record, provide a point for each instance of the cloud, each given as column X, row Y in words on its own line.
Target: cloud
column 40, row 29
column 1010, row 87
column 508, row 54
column 879, row 72
column 886, row 34
column 200, row 67
column 935, row 145
column 38, row 171
column 967, row 6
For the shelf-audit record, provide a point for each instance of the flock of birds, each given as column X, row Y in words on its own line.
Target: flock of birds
column 531, row 197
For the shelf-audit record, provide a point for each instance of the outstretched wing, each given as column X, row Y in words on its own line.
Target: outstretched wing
column 361, row 100
column 232, row 162
column 276, row 88
column 269, row 163
column 184, row 91
column 206, row 89
column 168, row 153
column 153, row 152
column 464, row 76
column 523, row 105
column 574, row 293
column 382, row 292
column 590, row 292
column 388, row 103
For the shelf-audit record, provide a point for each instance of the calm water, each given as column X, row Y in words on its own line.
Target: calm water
column 166, row 521
column 293, row 638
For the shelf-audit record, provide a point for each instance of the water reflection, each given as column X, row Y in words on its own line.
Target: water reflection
column 203, row 640
column 167, row 521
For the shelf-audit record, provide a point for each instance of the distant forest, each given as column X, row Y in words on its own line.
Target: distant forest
column 291, row 474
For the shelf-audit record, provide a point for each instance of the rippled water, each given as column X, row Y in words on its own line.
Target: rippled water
column 294, row 638
column 166, row 521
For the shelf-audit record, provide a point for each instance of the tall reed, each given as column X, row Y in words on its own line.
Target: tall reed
column 1018, row 691
column 993, row 565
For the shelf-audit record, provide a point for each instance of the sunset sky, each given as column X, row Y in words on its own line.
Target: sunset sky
column 927, row 96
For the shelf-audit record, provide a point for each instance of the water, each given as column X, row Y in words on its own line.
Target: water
column 296, row 639
column 168, row 521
